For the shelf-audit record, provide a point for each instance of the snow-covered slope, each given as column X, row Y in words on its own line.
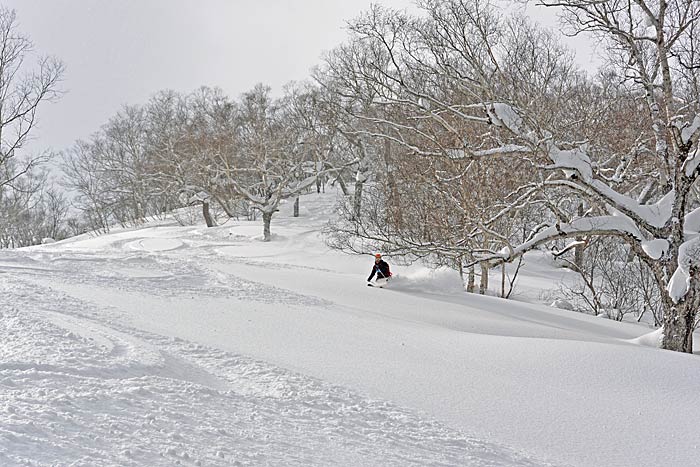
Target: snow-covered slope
column 167, row 344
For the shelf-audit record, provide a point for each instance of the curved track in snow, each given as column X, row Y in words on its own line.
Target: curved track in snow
column 80, row 387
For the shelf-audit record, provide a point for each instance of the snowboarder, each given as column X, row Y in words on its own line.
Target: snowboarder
column 380, row 268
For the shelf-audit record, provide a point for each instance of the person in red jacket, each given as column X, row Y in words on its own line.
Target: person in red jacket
column 381, row 269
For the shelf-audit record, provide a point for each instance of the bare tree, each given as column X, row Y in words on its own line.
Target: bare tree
column 149, row 159
column 55, row 210
column 31, row 211
column 408, row 117
column 349, row 93
column 83, row 168
column 22, row 92
column 613, row 283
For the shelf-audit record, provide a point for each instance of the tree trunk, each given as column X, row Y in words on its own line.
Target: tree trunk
column 207, row 215
column 679, row 320
column 296, row 207
column 460, row 268
column 484, row 284
column 267, row 217
column 357, row 199
column 471, row 280
column 579, row 249
column 503, row 280
column 341, row 182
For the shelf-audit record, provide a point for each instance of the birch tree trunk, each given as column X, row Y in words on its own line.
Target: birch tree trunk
column 357, row 196
column 580, row 248
column 471, row 280
column 503, row 280
column 484, row 284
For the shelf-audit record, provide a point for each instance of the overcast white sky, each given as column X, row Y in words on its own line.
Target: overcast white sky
column 122, row 52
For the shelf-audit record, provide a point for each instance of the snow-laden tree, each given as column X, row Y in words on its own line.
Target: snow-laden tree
column 655, row 48
column 463, row 65
column 268, row 162
column 206, row 137
column 428, row 204
column 202, row 148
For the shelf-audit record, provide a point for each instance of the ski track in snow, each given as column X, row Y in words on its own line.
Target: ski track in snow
column 78, row 387
column 163, row 276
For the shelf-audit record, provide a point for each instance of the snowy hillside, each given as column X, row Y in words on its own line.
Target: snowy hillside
column 171, row 345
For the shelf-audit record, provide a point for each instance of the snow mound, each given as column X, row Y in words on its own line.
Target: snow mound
column 562, row 304
column 651, row 339
column 155, row 244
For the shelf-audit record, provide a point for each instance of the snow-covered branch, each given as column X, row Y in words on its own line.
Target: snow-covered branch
column 620, row 226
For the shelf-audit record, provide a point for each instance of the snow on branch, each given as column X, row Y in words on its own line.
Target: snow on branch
column 199, row 197
column 655, row 215
column 571, row 160
column 621, row 226
column 577, row 166
column 689, row 136
column 692, row 222
column 691, row 132
column 688, row 263
column 570, row 246
column 692, row 163
column 656, row 248
column 505, row 149
column 504, row 115
column 297, row 188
